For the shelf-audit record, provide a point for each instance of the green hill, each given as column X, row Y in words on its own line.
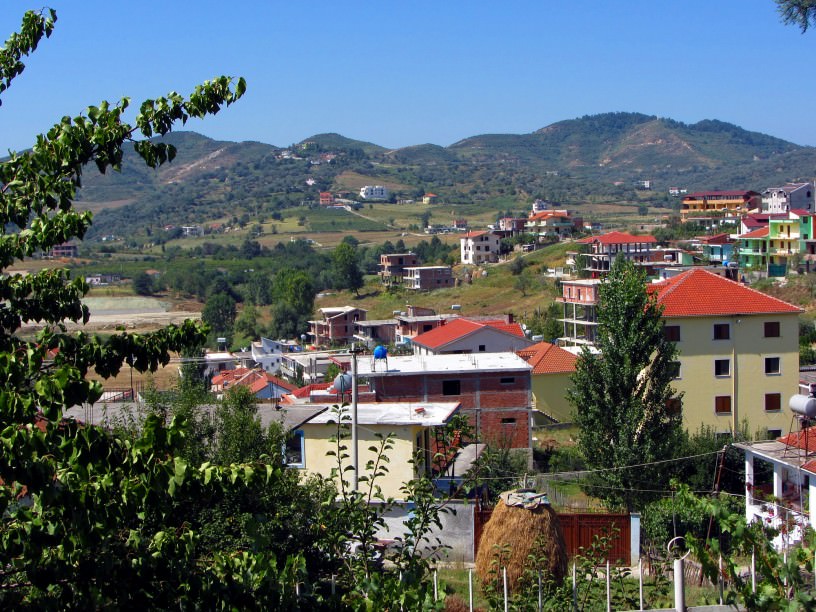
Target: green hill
column 596, row 158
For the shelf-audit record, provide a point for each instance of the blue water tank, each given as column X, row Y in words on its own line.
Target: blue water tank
column 380, row 352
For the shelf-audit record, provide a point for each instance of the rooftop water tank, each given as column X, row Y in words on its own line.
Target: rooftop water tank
column 804, row 405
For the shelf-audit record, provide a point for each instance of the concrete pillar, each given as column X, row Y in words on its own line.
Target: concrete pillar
column 749, row 483
column 811, row 501
column 634, row 538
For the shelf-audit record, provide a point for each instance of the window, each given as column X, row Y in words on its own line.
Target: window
column 674, row 405
column 482, row 348
column 722, row 404
column 773, row 402
column 722, row 367
column 451, row 387
column 674, row 369
column 772, row 365
column 773, row 434
column 294, row 449
column 672, row 333
column 508, row 421
column 722, row 331
column 507, row 380
column 771, row 329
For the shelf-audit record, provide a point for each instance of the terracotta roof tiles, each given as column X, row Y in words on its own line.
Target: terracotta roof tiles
column 700, row 293
column 548, row 358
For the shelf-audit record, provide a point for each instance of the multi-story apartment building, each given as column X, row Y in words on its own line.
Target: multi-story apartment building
column 427, row 278
column 605, row 248
column 580, row 318
column 493, row 389
column 477, row 248
column 708, row 203
column 393, row 265
column 336, row 326
column 418, row 320
column 793, row 196
column 374, row 192
column 738, row 352
column 549, row 224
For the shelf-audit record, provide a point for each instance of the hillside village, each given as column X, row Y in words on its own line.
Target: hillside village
column 737, row 366
column 542, row 371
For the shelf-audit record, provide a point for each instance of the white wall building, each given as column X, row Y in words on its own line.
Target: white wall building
column 374, row 192
column 479, row 247
column 793, row 196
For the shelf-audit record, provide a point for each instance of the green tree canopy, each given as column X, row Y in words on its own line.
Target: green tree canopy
column 621, row 396
column 219, row 313
column 346, row 268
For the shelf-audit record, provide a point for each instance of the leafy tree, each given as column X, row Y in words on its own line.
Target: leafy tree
column 295, row 288
column 219, row 313
column 143, row 284
column 798, row 12
column 621, row 396
column 99, row 527
column 347, row 272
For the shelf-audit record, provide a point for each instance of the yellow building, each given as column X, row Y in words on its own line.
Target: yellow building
column 738, row 352
column 707, row 203
column 409, row 424
column 552, row 377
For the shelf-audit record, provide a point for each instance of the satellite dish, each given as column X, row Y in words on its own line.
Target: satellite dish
column 380, row 352
column 342, row 383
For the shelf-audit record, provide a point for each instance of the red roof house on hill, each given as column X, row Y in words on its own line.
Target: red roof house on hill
column 467, row 336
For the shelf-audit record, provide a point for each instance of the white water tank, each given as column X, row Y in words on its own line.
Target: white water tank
column 804, row 405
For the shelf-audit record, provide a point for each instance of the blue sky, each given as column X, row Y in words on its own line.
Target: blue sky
column 404, row 73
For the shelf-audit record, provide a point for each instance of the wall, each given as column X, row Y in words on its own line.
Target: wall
column 317, row 443
column 748, row 382
column 456, row 530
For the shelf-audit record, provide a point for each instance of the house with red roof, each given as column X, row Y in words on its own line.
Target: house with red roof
column 262, row 385
column 601, row 251
column 478, row 248
column 738, row 359
column 552, row 377
column 550, row 224
column 469, row 336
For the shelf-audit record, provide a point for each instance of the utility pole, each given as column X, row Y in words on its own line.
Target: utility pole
column 355, row 457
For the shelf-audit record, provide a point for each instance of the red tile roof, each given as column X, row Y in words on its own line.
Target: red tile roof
column 801, row 212
column 805, row 439
column 732, row 193
column 475, row 234
column 459, row 328
column 762, row 232
column 618, row 238
column 700, row 293
column 548, row 358
column 716, row 239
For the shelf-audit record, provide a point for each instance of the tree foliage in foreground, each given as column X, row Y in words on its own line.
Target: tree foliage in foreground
column 798, row 12
column 620, row 396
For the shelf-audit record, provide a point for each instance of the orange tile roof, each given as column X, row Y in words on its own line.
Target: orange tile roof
column 805, row 439
column 548, row 358
column 618, row 238
column 459, row 328
column 762, row 232
column 474, row 234
column 700, row 293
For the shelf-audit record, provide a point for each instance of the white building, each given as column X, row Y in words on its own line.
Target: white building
column 374, row 192
column 479, row 247
column 269, row 353
column 793, row 196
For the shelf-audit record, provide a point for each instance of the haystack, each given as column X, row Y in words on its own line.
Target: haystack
column 522, row 524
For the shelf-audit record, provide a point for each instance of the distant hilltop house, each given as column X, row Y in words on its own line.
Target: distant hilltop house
column 192, row 230
column 708, row 203
column 66, row 250
column 426, row 278
column 542, row 205
column 337, row 325
column 477, row 248
column 602, row 250
column 326, row 198
column 793, row 196
column 676, row 192
column 549, row 224
column 430, row 198
column 393, row 265
column 374, row 192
